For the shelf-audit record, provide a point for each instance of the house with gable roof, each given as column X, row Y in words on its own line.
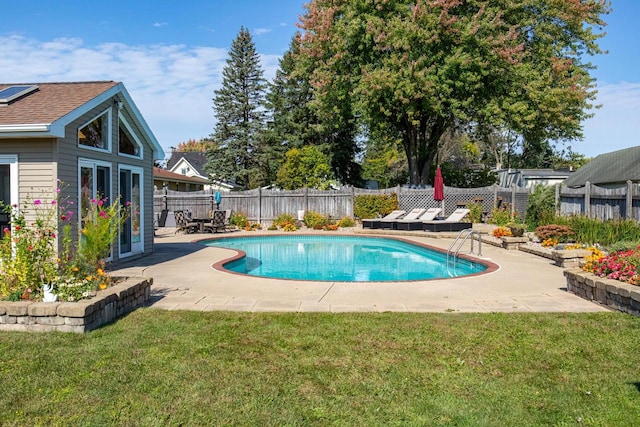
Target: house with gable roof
column 192, row 163
column 91, row 137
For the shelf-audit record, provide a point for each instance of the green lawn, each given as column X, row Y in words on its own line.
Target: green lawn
column 159, row 367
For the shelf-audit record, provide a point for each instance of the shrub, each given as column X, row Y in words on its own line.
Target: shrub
column 314, row 220
column 372, row 205
column 346, row 222
column 502, row 216
column 475, row 212
column 541, row 206
column 501, row 232
column 272, row 227
column 284, row 219
column 559, row 233
column 330, row 227
column 239, row 220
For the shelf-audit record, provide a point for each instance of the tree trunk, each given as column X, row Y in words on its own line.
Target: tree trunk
column 421, row 146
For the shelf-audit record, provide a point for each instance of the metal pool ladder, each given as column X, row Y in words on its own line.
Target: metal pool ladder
column 463, row 236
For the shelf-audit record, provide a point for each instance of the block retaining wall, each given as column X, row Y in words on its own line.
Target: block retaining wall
column 81, row 316
column 608, row 292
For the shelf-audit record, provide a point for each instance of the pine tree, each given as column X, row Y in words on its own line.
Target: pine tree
column 239, row 107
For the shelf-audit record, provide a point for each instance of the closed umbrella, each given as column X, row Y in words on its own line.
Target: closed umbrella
column 438, row 187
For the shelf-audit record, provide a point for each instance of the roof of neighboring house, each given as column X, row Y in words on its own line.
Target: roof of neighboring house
column 196, row 159
column 506, row 177
column 615, row 167
column 46, row 111
column 168, row 175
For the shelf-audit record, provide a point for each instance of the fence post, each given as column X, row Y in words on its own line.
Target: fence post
column 513, row 199
column 495, row 196
column 629, row 211
column 306, row 199
column 259, row 205
column 587, row 199
column 557, row 202
column 165, row 197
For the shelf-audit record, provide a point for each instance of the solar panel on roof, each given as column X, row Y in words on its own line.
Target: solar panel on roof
column 12, row 92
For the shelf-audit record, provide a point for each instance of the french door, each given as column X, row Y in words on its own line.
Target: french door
column 131, row 232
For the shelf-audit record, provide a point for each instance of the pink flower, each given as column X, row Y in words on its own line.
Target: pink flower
column 53, row 202
column 100, row 202
column 37, row 202
column 93, row 201
column 103, row 214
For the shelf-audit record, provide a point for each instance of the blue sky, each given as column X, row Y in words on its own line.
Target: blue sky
column 170, row 56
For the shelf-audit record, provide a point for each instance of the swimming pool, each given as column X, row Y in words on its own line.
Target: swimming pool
column 340, row 258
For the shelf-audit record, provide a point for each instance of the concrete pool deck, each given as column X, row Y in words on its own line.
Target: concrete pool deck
column 183, row 279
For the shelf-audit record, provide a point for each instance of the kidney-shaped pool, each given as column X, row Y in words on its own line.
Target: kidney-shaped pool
column 342, row 259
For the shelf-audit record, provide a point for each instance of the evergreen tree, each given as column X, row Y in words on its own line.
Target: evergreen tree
column 239, row 107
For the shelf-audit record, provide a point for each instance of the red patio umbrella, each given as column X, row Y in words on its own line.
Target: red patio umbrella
column 438, row 187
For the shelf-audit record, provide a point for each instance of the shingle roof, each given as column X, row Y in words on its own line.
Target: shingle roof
column 163, row 173
column 50, row 102
column 196, row 159
column 615, row 167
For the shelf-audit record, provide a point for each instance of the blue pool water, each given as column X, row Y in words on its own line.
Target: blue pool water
column 340, row 258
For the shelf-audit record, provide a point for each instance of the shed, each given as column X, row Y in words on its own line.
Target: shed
column 89, row 136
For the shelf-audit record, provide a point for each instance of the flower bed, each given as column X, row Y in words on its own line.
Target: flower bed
column 609, row 292
column 82, row 316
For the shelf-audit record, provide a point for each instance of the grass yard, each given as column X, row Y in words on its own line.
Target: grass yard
column 159, row 367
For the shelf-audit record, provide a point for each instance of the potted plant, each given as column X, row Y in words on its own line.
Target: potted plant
column 517, row 229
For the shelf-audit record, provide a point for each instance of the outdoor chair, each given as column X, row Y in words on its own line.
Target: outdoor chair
column 183, row 223
column 217, row 222
column 392, row 224
column 416, row 224
column 376, row 222
column 227, row 220
column 452, row 223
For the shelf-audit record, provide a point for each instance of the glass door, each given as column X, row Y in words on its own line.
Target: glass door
column 131, row 240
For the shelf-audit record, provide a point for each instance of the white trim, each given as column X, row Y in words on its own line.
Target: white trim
column 14, row 188
column 109, row 132
column 122, row 119
column 31, row 127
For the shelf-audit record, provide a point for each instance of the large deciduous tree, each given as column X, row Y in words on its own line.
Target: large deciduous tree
column 239, row 109
column 415, row 69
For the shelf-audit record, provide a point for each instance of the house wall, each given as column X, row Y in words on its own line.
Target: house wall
column 36, row 167
column 69, row 154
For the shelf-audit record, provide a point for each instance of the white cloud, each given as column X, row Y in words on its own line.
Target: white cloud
column 172, row 85
column 617, row 124
column 160, row 24
column 260, row 31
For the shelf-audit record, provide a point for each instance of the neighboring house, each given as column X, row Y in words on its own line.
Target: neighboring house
column 163, row 178
column 191, row 163
column 609, row 170
column 89, row 136
column 527, row 178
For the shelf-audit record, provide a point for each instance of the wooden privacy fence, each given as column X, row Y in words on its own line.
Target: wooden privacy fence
column 599, row 202
column 264, row 206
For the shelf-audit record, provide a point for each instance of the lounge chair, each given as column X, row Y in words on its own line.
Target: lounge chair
column 416, row 224
column 184, row 224
column 376, row 222
column 391, row 224
column 451, row 223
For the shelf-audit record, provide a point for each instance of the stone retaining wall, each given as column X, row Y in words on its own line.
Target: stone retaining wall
column 81, row 316
column 611, row 293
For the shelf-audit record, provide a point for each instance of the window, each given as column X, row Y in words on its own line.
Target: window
column 128, row 143
column 95, row 134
